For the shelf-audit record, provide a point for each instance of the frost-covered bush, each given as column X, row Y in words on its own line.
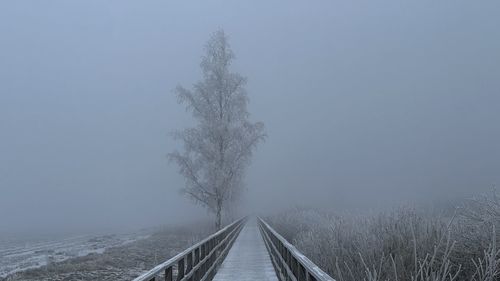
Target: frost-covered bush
column 477, row 230
column 403, row 244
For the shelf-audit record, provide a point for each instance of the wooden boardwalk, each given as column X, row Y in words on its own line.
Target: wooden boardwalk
column 245, row 250
column 248, row 259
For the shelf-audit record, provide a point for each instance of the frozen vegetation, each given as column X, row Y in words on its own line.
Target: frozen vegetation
column 109, row 257
column 404, row 244
column 18, row 254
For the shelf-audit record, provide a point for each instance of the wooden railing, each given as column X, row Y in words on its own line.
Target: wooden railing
column 288, row 262
column 199, row 262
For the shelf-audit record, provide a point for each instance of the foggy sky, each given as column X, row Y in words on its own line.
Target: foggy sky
column 366, row 104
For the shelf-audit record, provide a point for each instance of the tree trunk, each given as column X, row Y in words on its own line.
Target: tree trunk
column 218, row 219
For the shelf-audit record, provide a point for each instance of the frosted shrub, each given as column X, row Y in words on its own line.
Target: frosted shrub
column 400, row 245
column 477, row 229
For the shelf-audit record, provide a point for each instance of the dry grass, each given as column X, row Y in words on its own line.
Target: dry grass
column 121, row 263
column 404, row 244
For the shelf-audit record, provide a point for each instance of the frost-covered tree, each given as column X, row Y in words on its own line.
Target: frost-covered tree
column 218, row 150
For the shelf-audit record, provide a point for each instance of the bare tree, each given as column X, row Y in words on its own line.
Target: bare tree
column 218, row 150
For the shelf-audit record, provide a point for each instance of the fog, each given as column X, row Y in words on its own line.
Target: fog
column 366, row 105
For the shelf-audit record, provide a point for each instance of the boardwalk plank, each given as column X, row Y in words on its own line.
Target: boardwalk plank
column 248, row 259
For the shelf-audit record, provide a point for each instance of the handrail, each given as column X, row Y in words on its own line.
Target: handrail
column 288, row 262
column 199, row 261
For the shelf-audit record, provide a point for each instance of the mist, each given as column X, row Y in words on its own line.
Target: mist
column 366, row 105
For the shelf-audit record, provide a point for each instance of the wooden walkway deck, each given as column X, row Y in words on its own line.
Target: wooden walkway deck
column 248, row 259
column 245, row 250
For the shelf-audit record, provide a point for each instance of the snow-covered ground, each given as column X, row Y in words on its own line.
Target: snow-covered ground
column 19, row 254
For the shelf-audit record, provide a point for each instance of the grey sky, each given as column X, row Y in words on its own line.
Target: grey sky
column 365, row 102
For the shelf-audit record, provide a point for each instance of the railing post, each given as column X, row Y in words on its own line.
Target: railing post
column 189, row 265
column 168, row 274
column 302, row 273
column 180, row 269
column 189, row 262
column 196, row 256
column 203, row 255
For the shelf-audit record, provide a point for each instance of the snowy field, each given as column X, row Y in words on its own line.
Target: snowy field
column 19, row 254
column 118, row 257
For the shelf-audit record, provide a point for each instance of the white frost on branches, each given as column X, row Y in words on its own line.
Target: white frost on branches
column 216, row 151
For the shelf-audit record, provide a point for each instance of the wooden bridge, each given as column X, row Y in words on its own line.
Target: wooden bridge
column 248, row 249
